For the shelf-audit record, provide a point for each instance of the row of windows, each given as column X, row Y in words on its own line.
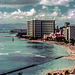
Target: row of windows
column 37, row 29
column 37, row 23
column 37, row 32
column 47, row 23
column 47, row 32
column 45, row 29
column 37, row 26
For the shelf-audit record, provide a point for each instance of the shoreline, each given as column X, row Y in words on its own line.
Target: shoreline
column 70, row 49
column 71, row 71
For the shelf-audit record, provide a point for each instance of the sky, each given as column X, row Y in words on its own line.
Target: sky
column 16, row 13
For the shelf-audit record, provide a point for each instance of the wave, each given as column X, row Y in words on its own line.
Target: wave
column 40, row 56
column 4, row 53
column 16, row 49
column 17, row 52
column 1, row 43
column 1, row 48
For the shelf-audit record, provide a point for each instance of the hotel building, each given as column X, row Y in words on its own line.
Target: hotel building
column 69, row 32
column 38, row 28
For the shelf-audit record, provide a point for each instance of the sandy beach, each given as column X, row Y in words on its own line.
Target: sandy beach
column 71, row 50
column 69, row 47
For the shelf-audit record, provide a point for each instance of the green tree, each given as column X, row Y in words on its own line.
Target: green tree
column 72, row 41
column 55, row 74
column 61, row 74
column 49, row 74
column 66, row 72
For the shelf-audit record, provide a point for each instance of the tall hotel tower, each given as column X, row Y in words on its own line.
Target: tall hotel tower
column 38, row 28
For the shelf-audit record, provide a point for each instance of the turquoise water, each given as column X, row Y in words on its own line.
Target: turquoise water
column 20, row 53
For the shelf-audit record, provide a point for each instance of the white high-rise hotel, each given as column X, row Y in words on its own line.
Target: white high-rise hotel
column 38, row 28
column 69, row 32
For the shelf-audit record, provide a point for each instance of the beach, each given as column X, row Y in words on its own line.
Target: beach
column 69, row 47
column 71, row 50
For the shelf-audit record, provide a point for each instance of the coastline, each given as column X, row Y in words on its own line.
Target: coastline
column 70, row 48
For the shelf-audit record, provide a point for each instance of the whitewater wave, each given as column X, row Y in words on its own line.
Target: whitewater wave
column 4, row 53
column 16, row 49
column 29, row 53
column 17, row 52
column 40, row 56
column 2, row 48
column 1, row 44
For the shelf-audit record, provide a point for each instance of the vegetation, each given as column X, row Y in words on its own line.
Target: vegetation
column 72, row 41
column 34, row 38
column 60, row 39
column 55, row 74
column 66, row 41
column 49, row 38
column 30, row 38
column 66, row 72
column 61, row 74
column 49, row 74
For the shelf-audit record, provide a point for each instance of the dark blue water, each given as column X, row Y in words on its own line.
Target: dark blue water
column 20, row 53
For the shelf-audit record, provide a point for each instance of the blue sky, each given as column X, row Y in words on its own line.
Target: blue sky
column 20, row 11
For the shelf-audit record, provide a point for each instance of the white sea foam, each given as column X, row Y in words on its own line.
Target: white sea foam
column 17, row 52
column 40, row 56
column 1, row 48
column 29, row 53
column 16, row 49
column 1, row 44
column 4, row 53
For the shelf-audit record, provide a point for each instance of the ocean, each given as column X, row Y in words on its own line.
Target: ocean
column 21, row 53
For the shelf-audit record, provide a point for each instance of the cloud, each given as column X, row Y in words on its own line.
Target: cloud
column 55, row 2
column 69, row 15
column 56, row 15
column 11, row 6
column 18, row 2
column 74, row 6
column 26, row 13
column 16, row 16
column 20, row 16
column 40, row 16
column 21, row 3
column 44, row 7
